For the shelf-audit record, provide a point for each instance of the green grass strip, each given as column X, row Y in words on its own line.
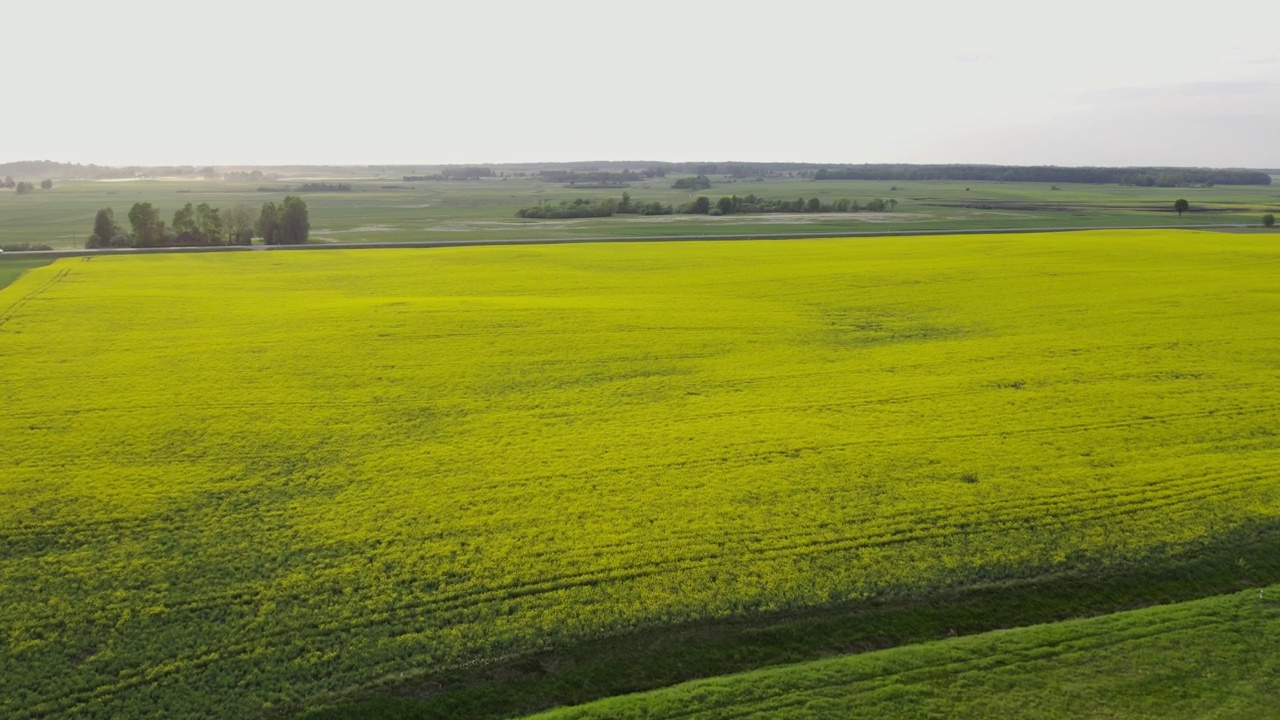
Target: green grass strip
column 659, row 659
column 12, row 268
column 1206, row 658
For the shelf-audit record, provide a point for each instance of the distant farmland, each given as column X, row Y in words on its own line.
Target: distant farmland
column 250, row 484
column 390, row 210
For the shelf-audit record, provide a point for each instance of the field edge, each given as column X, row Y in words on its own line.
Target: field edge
column 663, row 657
column 1107, row 659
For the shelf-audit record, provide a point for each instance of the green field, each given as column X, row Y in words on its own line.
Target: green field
column 390, row 210
column 1206, row 659
column 11, row 268
column 253, row 484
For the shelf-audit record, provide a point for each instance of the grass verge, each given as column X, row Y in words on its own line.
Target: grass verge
column 655, row 659
column 1205, row 658
column 12, row 268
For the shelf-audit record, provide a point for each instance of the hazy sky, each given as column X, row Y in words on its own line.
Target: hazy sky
column 1075, row 83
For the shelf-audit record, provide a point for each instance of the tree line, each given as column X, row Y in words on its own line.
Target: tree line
column 733, row 205
column 702, row 205
column 308, row 187
column 698, row 182
column 24, row 247
column 607, row 171
column 23, row 187
column 570, row 177
column 1149, row 176
column 202, row 226
column 585, row 207
column 66, row 171
column 469, row 172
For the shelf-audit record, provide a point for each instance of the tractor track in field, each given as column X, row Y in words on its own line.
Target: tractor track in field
column 13, row 309
column 1123, row 502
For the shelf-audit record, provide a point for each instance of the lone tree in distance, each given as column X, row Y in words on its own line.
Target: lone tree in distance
column 1181, row 206
column 1269, row 220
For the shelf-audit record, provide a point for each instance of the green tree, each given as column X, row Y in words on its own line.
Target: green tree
column 46, row 184
column 725, row 205
column 184, row 220
column 269, row 224
column 239, row 225
column 1269, row 220
column 148, row 228
column 892, row 203
column 104, row 228
column 875, row 205
column 1180, row 206
column 294, row 224
column 701, row 206
column 209, row 222
column 25, row 187
column 814, row 205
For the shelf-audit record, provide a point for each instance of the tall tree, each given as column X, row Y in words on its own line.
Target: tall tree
column 209, row 222
column 46, row 184
column 1181, row 206
column 104, row 228
column 239, row 224
column 294, row 223
column 269, row 224
column 184, row 220
column 148, row 228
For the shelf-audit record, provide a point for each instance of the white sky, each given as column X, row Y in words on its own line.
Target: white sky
column 1070, row 83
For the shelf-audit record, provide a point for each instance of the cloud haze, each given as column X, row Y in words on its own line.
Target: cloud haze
column 380, row 82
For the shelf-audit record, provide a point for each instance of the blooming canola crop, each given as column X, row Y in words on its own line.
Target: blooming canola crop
column 232, row 483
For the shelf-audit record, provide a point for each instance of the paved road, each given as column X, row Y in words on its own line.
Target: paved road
column 606, row 239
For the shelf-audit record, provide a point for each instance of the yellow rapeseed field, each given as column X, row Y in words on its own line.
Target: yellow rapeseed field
column 235, row 483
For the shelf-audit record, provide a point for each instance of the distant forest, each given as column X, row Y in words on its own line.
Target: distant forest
column 469, row 172
column 592, row 178
column 617, row 173
column 1142, row 176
